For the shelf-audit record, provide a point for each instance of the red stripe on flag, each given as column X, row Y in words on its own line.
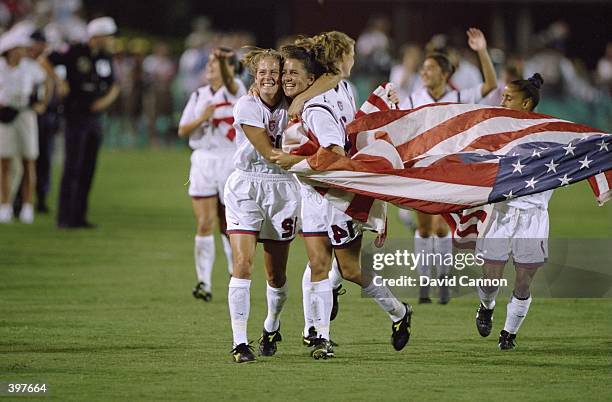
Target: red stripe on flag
column 359, row 207
column 480, row 214
column 472, row 229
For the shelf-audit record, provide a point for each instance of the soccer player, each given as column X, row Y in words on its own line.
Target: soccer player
column 262, row 203
column 325, row 228
column 211, row 137
column 518, row 227
column 432, row 234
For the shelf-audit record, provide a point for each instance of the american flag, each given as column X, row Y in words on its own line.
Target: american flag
column 454, row 159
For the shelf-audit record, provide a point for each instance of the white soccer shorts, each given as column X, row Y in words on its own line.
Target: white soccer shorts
column 20, row 137
column 209, row 172
column 266, row 205
column 520, row 232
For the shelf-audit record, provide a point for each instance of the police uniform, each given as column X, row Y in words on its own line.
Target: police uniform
column 90, row 76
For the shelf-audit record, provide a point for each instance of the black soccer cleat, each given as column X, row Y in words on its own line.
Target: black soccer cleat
column 336, row 292
column 267, row 342
column 322, row 349
column 243, row 353
column 484, row 320
column 309, row 340
column 401, row 330
column 199, row 292
column 506, row 340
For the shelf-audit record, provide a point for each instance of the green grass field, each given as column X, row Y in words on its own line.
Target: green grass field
column 108, row 315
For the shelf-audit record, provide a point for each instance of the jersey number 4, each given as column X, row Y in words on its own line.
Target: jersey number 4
column 340, row 233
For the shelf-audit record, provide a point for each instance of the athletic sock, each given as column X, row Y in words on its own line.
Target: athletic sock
column 487, row 299
column 276, row 299
column 334, row 274
column 321, row 301
column 205, row 259
column 385, row 299
column 306, row 289
column 239, row 300
column 515, row 314
column 423, row 246
column 443, row 246
column 227, row 249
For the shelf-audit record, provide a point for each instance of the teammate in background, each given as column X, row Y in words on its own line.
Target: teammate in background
column 518, row 227
column 262, row 203
column 19, row 76
column 432, row 234
column 211, row 137
column 325, row 228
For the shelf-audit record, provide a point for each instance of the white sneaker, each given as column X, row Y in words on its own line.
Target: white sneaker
column 27, row 214
column 6, row 213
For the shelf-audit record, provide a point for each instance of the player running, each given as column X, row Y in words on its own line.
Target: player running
column 518, row 227
column 207, row 120
column 325, row 228
column 262, row 203
column 432, row 234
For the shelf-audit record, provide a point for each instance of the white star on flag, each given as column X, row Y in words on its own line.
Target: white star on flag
column 603, row 145
column 509, row 195
column 585, row 163
column 531, row 183
column 536, row 153
column 569, row 149
column 518, row 167
column 551, row 166
column 565, row 180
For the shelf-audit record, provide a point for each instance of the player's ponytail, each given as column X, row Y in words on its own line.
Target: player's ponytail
column 330, row 48
column 530, row 88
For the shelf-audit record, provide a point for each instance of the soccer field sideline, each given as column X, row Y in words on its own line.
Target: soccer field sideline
column 107, row 314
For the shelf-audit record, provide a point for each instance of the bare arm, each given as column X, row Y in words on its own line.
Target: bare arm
column 105, row 101
column 188, row 128
column 228, row 78
column 478, row 43
column 322, row 84
column 259, row 138
column 40, row 106
column 61, row 85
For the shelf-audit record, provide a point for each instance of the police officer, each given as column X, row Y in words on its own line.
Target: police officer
column 90, row 87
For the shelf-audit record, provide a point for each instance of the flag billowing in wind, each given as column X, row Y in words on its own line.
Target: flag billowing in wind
column 454, row 159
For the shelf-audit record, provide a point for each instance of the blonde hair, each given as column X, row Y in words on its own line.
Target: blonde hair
column 255, row 55
column 330, row 48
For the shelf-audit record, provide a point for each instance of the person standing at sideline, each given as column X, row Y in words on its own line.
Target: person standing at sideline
column 90, row 87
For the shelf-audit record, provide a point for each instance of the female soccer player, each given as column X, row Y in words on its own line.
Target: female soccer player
column 324, row 226
column 204, row 120
column 518, row 227
column 262, row 203
column 432, row 234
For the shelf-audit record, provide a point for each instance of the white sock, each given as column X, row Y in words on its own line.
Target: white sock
column 385, row 299
column 239, row 300
column 424, row 246
column 487, row 299
column 205, row 259
column 516, row 312
column 276, row 300
column 306, row 289
column 334, row 274
column 321, row 301
column 227, row 249
column 443, row 246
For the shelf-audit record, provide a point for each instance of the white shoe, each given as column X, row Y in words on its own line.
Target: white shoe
column 6, row 213
column 27, row 214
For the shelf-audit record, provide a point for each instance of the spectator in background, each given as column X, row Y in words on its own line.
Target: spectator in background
column 191, row 63
column 19, row 77
column 373, row 50
column 604, row 69
column 90, row 90
column 405, row 76
column 159, row 70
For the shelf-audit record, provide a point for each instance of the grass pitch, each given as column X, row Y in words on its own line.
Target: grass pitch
column 108, row 315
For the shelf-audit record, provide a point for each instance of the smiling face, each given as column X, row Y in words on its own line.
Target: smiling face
column 295, row 77
column 346, row 64
column 267, row 77
column 432, row 74
column 515, row 100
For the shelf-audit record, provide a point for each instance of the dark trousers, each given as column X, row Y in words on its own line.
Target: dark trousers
column 82, row 142
column 48, row 125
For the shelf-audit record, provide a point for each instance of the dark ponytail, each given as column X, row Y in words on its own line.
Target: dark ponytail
column 530, row 88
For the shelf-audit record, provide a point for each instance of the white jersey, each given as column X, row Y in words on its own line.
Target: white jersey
column 18, row 83
column 422, row 97
column 217, row 132
column 539, row 200
column 327, row 114
column 252, row 111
